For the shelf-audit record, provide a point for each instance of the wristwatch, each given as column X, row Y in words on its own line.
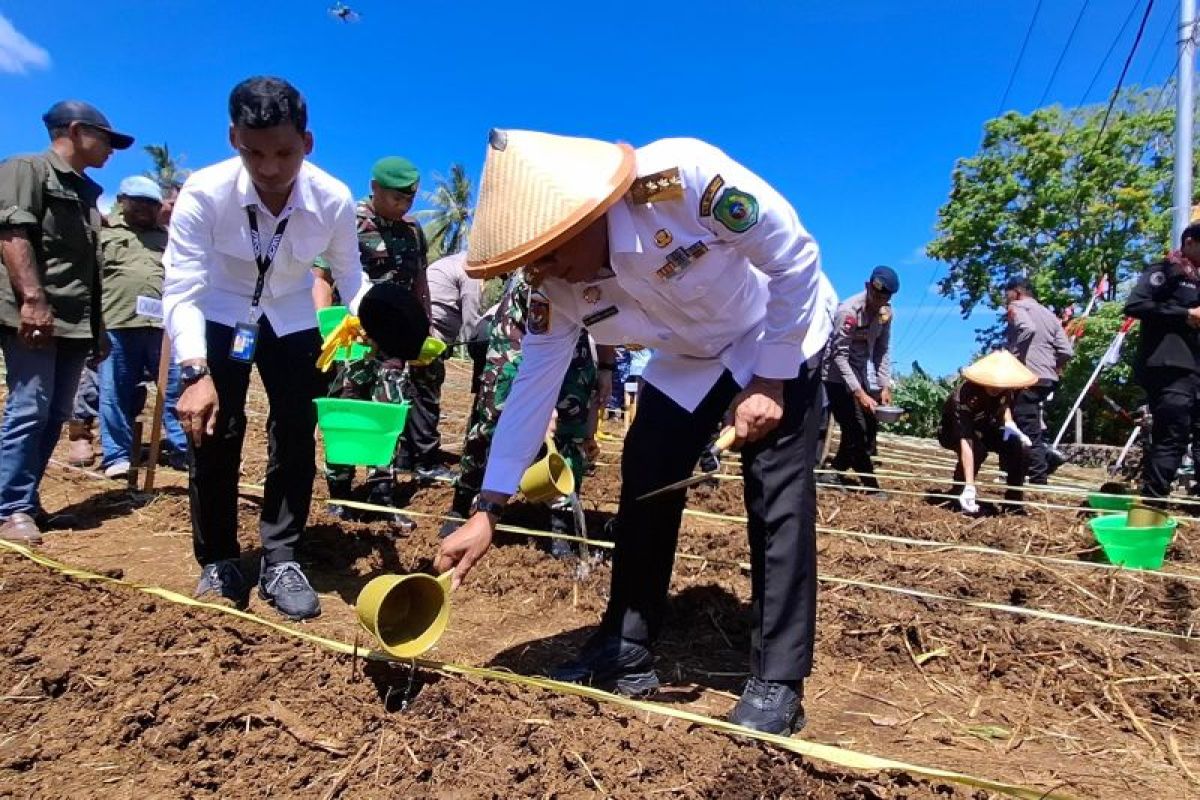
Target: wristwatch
column 489, row 506
column 191, row 373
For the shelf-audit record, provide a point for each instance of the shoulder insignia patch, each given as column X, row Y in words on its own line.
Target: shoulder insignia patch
column 710, row 194
column 1158, row 278
column 663, row 237
column 665, row 185
column 885, row 315
column 538, row 322
column 736, row 210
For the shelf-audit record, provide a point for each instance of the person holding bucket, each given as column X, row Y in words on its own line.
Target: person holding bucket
column 678, row 247
column 977, row 419
column 238, row 293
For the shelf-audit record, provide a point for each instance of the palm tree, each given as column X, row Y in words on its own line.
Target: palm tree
column 167, row 171
column 448, row 223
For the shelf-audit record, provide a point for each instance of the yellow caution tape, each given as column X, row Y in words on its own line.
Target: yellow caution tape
column 838, row 756
column 1052, row 616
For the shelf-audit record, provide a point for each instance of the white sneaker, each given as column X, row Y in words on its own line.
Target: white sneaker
column 117, row 470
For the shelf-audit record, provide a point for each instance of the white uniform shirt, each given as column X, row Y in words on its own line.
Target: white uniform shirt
column 751, row 298
column 209, row 261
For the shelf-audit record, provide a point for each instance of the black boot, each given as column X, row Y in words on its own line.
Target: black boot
column 339, row 489
column 608, row 661
column 562, row 521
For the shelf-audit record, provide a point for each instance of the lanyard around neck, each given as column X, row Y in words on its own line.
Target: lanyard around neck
column 263, row 260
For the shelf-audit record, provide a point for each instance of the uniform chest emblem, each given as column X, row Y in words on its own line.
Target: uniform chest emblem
column 663, row 237
column 538, row 322
column 736, row 210
column 680, row 259
column 591, row 295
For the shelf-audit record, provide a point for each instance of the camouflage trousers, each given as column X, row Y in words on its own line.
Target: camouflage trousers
column 365, row 379
column 574, row 402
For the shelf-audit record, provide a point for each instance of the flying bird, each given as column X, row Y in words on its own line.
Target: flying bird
column 343, row 12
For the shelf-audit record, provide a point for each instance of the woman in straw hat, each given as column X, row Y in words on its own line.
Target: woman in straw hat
column 678, row 248
column 977, row 419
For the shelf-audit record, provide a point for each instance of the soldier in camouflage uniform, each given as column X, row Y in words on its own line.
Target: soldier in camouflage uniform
column 574, row 430
column 392, row 248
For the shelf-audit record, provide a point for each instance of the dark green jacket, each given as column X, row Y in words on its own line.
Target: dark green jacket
column 56, row 207
column 133, row 268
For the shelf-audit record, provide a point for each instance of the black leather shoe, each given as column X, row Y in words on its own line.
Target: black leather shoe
column 223, row 582
column 285, row 586
column 55, row 522
column 608, row 661
column 770, row 707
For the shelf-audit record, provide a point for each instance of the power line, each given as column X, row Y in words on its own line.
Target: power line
column 1162, row 39
column 1020, row 57
column 1111, row 48
column 1112, row 100
column 1063, row 54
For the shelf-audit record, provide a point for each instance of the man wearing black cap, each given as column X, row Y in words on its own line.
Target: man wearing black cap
column 858, row 373
column 1037, row 339
column 50, row 318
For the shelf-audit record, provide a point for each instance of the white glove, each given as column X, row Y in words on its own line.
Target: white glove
column 966, row 500
column 1012, row 431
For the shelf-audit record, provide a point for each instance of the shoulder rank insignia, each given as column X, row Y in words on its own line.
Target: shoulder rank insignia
column 538, row 321
column 736, row 210
column 663, row 237
column 710, row 194
column 665, row 185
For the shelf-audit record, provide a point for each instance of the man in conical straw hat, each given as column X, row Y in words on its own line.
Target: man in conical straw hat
column 678, row 248
column 977, row 419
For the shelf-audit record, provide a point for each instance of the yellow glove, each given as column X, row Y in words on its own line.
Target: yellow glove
column 348, row 332
column 430, row 350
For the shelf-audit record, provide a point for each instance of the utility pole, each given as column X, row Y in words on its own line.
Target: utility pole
column 1184, row 115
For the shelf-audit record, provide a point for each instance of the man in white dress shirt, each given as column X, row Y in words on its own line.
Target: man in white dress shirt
column 678, row 248
column 243, row 237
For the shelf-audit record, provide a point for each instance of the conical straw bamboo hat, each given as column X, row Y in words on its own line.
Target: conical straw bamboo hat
column 537, row 191
column 1000, row 370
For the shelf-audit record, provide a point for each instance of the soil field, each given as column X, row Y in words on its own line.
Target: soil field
column 114, row 693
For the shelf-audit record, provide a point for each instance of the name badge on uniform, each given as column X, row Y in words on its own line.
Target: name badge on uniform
column 149, row 307
column 245, row 342
column 601, row 315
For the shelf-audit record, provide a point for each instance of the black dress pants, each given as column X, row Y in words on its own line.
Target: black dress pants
column 1027, row 414
column 663, row 445
column 287, row 366
column 1174, row 399
column 858, row 434
column 420, row 442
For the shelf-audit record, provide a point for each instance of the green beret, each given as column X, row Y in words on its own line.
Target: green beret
column 395, row 172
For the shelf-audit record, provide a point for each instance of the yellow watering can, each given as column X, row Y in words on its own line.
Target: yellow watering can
column 548, row 479
column 406, row 614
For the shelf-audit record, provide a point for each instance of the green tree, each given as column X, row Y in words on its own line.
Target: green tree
column 167, row 171
column 921, row 396
column 1051, row 198
column 448, row 223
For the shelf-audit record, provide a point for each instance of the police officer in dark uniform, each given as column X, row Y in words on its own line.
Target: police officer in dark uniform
column 1167, row 365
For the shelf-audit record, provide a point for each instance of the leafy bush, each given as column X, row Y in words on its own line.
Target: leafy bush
column 922, row 396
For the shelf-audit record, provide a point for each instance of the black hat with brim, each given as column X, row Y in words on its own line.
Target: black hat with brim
column 395, row 320
column 65, row 112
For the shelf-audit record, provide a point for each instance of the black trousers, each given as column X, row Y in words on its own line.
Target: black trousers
column 858, row 433
column 420, row 442
column 287, row 365
column 1014, row 458
column 663, row 445
column 1027, row 413
column 1174, row 398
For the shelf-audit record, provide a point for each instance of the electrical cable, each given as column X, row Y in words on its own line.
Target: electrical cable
column 1063, row 54
column 1020, row 57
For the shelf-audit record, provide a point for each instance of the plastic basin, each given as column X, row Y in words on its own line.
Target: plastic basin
column 1109, row 502
column 360, row 431
column 1140, row 548
column 327, row 320
column 888, row 413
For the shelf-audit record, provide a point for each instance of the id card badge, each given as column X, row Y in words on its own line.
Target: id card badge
column 245, row 340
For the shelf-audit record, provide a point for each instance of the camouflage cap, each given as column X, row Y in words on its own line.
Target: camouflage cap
column 394, row 172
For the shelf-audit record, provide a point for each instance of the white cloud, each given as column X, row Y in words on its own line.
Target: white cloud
column 18, row 54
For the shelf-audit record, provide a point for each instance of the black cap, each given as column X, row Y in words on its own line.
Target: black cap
column 394, row 319
column 885, row 279
column 64, row 112
column 1018, row 284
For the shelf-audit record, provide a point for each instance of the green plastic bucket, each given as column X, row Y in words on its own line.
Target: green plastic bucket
column 1110, row 502
column 1140, row 548
column 328, row 319
column 360, row 431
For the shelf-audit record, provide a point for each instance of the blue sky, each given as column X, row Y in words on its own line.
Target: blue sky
column 855, row 111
